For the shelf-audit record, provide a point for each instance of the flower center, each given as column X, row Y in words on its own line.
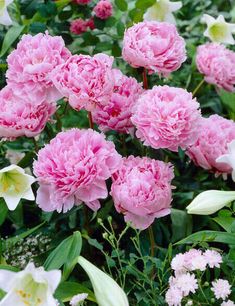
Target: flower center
column 218, row 31
column 12, row 182
column 2, row 6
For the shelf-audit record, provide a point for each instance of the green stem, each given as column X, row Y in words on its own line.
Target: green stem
column 198, row 87
column 151, row 239
column 91, row 124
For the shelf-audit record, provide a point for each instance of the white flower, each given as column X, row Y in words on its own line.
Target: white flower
column 107, row 291
column 218, row 30
column 78, row 299
column 162, row 11
column 221, row 288
column 229, row 158
column 15, row 184
column 210, row 201
column 228, row 303
column 4, row 16
column 32, row 286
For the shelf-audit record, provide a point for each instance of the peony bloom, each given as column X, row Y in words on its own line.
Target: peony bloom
column 33, row 60
column 213, row 258
column 214, row 135
column 15, row 185
column 141, row 190
column 103, row 9
column 73, row 168
column 218, row 30
column 167, row 117
column 5, row 19
column 78, row 26
column 155, row 46
column 107, row 291
column 116, row 115
column 23, row 112
column 173, row 296
column 229, row 158
column 185, row 282
column 83, row 1
column 78, row 300
column 217, row 64
column 221, row 288
column 162, row 11
column 32, row 286
column 86, row 81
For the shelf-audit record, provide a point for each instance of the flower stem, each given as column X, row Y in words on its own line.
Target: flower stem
column 198, row 87
column 91, row 124
column 151, row 239
column 145, row 79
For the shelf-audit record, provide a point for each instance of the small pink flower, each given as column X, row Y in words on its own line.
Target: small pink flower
column 86, row 81
column 141, row 190
column 213, row 258
column 33, row 60
column 214, row 134
column 117, row 113
column 173, row 296
column 82, row 1
column 185, row 282
column 155, row 46
column 228, row 303
column 178, row 263
column 90, row 23
column 103, row 9
column 221, row 288
column 217, row 64
column 166, row 117
column 73, row 168
column 78, row 26
column 24, row 111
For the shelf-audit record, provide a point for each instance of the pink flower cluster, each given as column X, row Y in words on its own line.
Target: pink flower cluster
column 155, row 46
column 116, row 115
column 73, row 169
column 217, row 64
column 141, row 190
column 184, row 281
column 34, row 59
column 86, row 81
column 214, row 134
column 103, row 9
column 83, row 1
column 24, row 111
column 166, row 117
column 79, row 26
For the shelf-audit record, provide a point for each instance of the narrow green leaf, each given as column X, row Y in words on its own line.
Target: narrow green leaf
column 122, row 5
column 12, row 34
column 225, row 222
column 140, row 4
column 3, row 211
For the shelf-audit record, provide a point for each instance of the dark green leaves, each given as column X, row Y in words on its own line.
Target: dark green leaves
column 12, row 34
column 122, row 5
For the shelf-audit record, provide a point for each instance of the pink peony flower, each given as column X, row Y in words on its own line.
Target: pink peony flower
column 33, row 60
column 221, row 288
column 185, row 282
column 155, row 46
column 73, row 168
column 214, row 134
column 78, row 26
column 166, row 117
column 117, row 113
column 86, row 81
column 103, row 9
column 173, row 296
column 141, row 190
column 217, row 64
column 83, row 1
column 213, row 258
column 23, row 112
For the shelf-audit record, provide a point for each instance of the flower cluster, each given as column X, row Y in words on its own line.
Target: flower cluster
column 79, row 26
column 214, row 135
column 103, row 9
column 141, row 190
column 217, row 64
column 83, row 1
column 166, row 117
column 116, row 115
column 156, row 46
column 73, row 169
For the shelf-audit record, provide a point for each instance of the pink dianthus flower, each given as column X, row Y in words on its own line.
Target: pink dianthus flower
column 86, row 81
column 141, row 190
column 214, row 134
column 78, row 26
column 73, row 168
column 103, row 9
column 217, row 64
column 213, row 258
column 156, row 46
column 33, row 60
column 173, row 296
column 166, row 117
column 185, row 282
column 221, row 288
column 116, row 115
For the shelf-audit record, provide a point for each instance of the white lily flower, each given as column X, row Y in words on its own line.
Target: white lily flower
column 218, row 30
column 5, row 19
column 15, row 184
column 30, row 287
column 107, row 291
column 229, row 158
column 208, row 202
column 162, row 11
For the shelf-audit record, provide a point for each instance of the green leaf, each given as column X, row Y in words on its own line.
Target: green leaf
column 3, row 211
column 122, row 5
column 66, row 290
column 209, row 236
column 66, row 252
column 225, row 222
column 181, row 224
column 140, row 4
column 27, row 160
column 120, row 28
column 12, row 34
column 228, row 100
